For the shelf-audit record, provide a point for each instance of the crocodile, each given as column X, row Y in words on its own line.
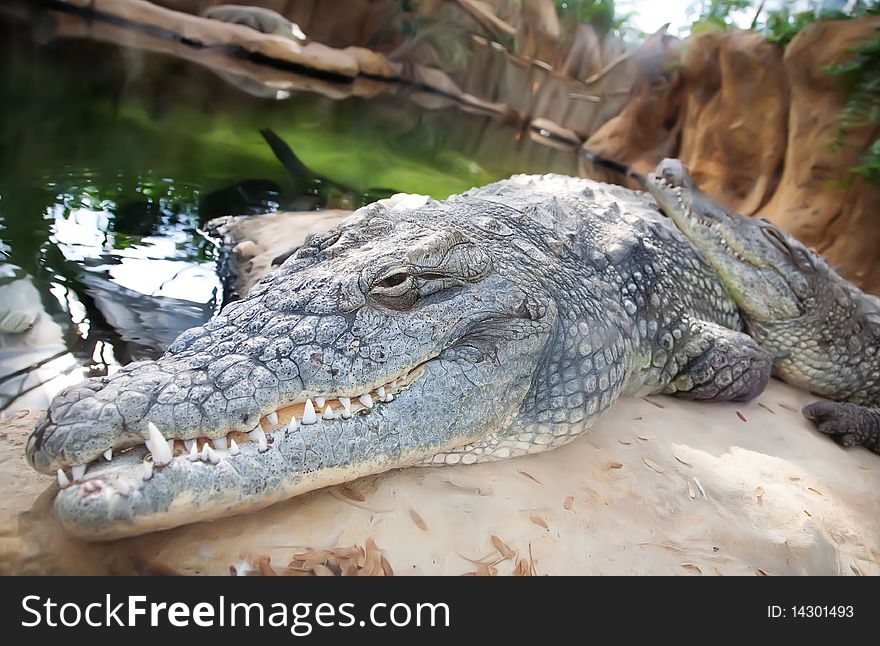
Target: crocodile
column 822, row 330
column 499, row 322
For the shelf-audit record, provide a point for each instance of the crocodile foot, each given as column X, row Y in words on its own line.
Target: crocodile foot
column 848, row 424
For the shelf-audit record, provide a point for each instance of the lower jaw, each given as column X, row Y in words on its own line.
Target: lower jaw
column 126, row 508
column 108, row 514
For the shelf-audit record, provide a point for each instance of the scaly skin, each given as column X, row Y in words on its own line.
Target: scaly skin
column 505, row 320
column 823, row 330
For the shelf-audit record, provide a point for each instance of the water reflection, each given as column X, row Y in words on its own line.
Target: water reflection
column 167, row 262
column 34, row 357
column 124, row 281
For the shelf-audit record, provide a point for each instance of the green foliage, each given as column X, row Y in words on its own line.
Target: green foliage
column 715, row 14
column 861, row 77
column 601, row 14
column 781, row 25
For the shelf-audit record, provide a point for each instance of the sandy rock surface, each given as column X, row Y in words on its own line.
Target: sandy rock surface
column 255, row 241
column 689, row 488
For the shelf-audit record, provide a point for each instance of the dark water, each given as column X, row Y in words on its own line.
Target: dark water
column 111, row 161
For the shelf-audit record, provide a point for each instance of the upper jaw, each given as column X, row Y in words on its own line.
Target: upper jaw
column 70, row 451
column 159, row 446
column 667, row 191
column 682, row 209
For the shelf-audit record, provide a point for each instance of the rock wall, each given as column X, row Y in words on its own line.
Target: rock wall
column 755, row 124
column 818, row 199
column 565, row 73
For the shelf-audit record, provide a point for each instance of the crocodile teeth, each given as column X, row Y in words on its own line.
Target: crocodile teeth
column 292, row 426
column 212, row 455
column 320, row 401
column 193, row 452
column 381, row 392
column 233, row 447
column 257, row 435
column 203, row 456
column 62, row 478
column 157, row 445
column 393, row 385
column 273, row 418
column 366, row 400
column 309, row 416
column 389, row 397
column 220, row 443
column 78, row 471
column 346, row 407
column 189, row 444
column 108, row 454
column 328, row 412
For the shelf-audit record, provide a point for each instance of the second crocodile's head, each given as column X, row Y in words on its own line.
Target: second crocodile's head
column 400, row 336
column 771, row 276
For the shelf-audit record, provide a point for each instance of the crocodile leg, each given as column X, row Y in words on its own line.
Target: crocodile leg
column 720, row 365
column 848, row 424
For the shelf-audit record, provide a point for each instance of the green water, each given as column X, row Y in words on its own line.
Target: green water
column 112, row 160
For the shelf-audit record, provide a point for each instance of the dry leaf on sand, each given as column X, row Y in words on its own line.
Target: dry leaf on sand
column 653, row 465
column 418, row 520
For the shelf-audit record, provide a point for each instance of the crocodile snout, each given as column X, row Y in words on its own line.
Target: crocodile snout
column 674, row 172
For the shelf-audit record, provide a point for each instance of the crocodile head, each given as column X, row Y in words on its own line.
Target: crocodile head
column 771, row 276
column 399, row 336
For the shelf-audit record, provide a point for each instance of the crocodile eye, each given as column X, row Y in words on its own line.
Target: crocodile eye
column 395, row 289
column 776, row 239
column 803, row 260
column 393, row 280
column 799, row 257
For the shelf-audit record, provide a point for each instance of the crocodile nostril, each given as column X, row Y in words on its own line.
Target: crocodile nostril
column 32, row 450
column 35, row 440
column 671, row 176
column 32, row 446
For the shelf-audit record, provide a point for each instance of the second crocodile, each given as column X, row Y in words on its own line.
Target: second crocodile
column 823, row 330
